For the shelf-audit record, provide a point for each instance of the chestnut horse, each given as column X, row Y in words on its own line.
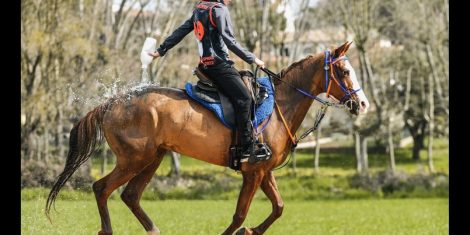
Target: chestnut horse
column 140, row 127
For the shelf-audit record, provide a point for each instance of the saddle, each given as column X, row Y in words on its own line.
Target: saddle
column 207, row 91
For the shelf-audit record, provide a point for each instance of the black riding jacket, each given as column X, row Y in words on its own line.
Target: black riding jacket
column 214, row 34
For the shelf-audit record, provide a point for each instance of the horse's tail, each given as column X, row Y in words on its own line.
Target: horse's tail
column 85, row 138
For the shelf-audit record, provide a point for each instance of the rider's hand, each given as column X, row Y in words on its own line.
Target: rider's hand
column 154, row 54
column 259, row 62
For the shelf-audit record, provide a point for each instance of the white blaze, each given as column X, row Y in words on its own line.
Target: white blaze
column 363, row 102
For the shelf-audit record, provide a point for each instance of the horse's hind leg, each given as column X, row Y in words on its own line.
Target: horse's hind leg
column 133, row 192
column 105, row 186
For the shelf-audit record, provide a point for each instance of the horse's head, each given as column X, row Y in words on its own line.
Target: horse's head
column 341, row 81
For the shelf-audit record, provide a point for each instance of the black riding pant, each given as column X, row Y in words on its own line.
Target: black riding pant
column 228, row 80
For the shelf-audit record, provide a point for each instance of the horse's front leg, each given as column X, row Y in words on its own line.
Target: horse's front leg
column 251, row 182
column 269, row 187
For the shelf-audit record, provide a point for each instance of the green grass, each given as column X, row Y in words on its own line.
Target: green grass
column 306, row 211
column 386, row 216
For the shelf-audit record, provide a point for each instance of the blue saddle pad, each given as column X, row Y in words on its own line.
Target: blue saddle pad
column 263, row 110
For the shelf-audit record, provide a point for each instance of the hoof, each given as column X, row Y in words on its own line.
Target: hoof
column 154, row 231
column 244, row 231
column 104, row 233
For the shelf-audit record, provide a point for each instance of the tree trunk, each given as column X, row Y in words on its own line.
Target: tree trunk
column 357, row 141
column 264, row 24
column 408, row 89
column 59, row 137
column 371, row 78
column 175, row 164
column 46, row 144
column 431, row 124
column 294, row 163
column 116, row 20
column 441, row 97
column 300, row 25
column 390, row 146
column 59, row 134
column 317, row 150
column 59, row 131
column 418, row 143
column 430, row 60
column 364, row 156
column 129, row 31
column 160, row 64
column 125, row 25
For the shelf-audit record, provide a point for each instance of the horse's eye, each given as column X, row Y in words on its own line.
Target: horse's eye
column 346, row 72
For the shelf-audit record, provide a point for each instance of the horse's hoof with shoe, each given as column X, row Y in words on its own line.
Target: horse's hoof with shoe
column 244, row 231
column 105, row 233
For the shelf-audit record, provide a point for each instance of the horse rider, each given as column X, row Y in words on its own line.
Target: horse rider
column 214, row 33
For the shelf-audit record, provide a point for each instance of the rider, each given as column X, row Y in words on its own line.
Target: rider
column 214, row 34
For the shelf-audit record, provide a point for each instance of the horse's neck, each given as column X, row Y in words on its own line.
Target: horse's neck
column 293, row 104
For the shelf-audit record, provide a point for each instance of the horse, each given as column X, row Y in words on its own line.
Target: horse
column 141, row 126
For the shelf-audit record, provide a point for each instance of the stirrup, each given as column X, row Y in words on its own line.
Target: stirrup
column 260, row 152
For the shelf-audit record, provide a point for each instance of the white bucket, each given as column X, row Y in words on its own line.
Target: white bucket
column 150, row 45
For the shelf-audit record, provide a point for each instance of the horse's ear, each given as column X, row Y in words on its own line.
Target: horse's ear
column 341, row 50
column 347, row 46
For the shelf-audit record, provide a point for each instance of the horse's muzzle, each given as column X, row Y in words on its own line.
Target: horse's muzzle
column 353, row 106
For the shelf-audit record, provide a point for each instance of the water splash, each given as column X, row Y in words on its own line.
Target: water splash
column 105, row 86
column 145, row 75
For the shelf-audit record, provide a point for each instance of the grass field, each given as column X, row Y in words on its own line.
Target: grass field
column 386, row 216
column 312, row 204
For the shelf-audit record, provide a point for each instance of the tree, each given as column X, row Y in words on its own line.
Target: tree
column 413, row 43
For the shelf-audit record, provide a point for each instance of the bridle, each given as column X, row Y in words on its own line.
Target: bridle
column 329, row 67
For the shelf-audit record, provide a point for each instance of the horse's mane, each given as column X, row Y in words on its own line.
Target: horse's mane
column 292, row 70
column 295, row 64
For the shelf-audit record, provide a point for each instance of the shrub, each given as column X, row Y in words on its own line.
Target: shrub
column 36, row 173
column 193, row 186
column 400, row 184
